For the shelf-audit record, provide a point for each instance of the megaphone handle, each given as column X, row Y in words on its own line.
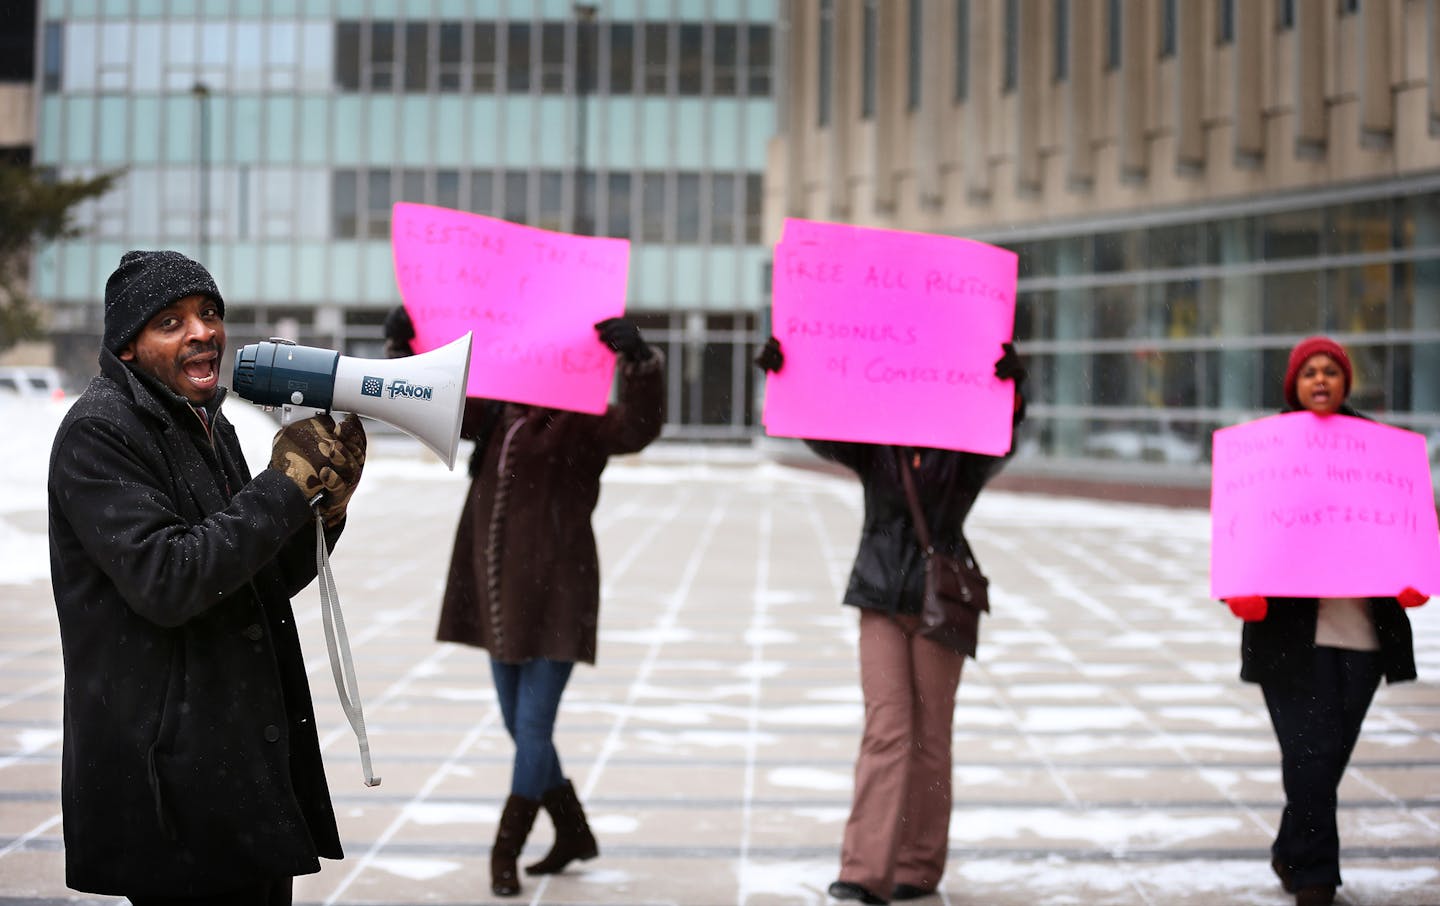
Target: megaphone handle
column 289, row 414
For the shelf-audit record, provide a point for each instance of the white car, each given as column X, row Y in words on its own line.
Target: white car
column 27, row 380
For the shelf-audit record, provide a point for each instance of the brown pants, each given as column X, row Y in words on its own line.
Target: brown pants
column 899, row 827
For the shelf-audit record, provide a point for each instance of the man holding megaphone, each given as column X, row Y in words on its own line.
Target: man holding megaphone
column 191, row 770
column 524, row 580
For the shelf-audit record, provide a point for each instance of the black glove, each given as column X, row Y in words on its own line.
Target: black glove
column 399, row 331
column 622, row 336
column 1010, row 367
column 771, row 359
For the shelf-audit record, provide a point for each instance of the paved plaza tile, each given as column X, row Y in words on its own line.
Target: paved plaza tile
column 1105, row 750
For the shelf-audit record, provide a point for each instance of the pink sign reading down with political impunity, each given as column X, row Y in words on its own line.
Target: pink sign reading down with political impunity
column 531, row 296
column 891, row 337
column 1321, row 506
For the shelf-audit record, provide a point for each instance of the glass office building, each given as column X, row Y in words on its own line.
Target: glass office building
column 1191, row 187
column 269, row 139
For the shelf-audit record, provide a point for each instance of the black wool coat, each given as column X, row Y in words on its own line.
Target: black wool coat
column 524, row 578
column 889, row 570
column 190, row 764
column 1280, row 648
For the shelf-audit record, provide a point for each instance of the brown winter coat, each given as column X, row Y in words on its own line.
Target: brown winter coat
column 524, row 577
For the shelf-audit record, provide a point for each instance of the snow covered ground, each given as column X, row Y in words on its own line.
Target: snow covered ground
column 1105, row 752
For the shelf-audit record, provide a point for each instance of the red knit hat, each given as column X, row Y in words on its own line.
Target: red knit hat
column 1302, row 353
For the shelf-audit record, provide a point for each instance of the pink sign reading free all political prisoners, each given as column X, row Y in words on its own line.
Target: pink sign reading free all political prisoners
column 1326, row 507
column 891, row 337
column 531, row 296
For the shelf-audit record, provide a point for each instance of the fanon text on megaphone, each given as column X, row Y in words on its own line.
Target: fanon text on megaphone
column 422, row 395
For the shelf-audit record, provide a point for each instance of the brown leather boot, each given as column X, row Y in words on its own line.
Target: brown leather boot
column 573, row 839
column 515, row 823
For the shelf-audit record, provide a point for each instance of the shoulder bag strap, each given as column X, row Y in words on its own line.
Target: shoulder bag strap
column 917, row 515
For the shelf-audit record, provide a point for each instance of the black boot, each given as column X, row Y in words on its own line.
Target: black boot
column 515, row 823
column 573, row 839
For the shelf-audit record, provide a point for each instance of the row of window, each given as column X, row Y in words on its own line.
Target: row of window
column 1010, row 50
column 661, row 207
column 1399, row 224
column 555, row 57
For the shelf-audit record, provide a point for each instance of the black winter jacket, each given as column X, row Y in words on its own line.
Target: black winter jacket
column 889, row 570
column 1279, row 648
column 190, row 763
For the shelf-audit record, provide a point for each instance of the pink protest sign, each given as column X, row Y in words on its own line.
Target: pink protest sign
column 891, row 337
column 531, row 296
column 1327, row 507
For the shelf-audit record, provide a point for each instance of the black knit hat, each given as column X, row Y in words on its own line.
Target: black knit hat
column 146, row 282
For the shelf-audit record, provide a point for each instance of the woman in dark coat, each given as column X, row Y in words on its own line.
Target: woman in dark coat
column 524, row 580
column 898, row 833
column 1318, row 663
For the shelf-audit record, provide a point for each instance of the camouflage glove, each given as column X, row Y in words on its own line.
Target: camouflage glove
column 352, row 436
column 312, row 455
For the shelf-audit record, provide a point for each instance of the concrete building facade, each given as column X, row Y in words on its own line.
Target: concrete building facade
column 1191, row 187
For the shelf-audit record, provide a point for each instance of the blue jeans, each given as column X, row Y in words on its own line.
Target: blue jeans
column 529, row 696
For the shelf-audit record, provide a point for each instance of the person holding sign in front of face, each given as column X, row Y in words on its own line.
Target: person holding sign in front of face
column 1318, row 663
column 524, row 580
column 898, row 832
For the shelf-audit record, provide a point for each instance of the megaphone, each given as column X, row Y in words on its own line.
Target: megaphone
column 422, row 395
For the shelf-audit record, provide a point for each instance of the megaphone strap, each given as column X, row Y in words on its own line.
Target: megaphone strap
column 342, row 664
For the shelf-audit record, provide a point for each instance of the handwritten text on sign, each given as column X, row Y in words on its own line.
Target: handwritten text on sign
column 531, row 296
column 891, row 337
column 1330, row 507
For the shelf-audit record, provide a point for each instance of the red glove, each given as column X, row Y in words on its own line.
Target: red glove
column 1250, row 608
column 1411, row 598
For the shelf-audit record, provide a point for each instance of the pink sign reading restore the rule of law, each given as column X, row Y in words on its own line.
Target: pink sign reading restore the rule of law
column 891, row 337
column 1321, row 506
column 531, row 296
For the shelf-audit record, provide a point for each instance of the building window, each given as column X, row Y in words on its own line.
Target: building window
column 687, row 207
column 693, row 61
column 962, row 49
column 915, row 21
column 552, row 58
column 1168, row 13
column 550, row 214
column 1113, row 35
column 722, row 209
column 1225, row 22
column 484, row 59
column 1062, row 40
column 754, row 208
column 377, row 205
column 868, row 37
column 757, row 60
column 622, row 58
column 517, row 200
column 826, row 62
column 378, row 74
column 652, row 207
column 1284, row 14
column 657, row 58
column 725, row 71
column 517, row 58
column 344, row 205
column 347, row 56
column 1011, row 71
column 417, row 56
column 450, row 58
column 617, row 205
